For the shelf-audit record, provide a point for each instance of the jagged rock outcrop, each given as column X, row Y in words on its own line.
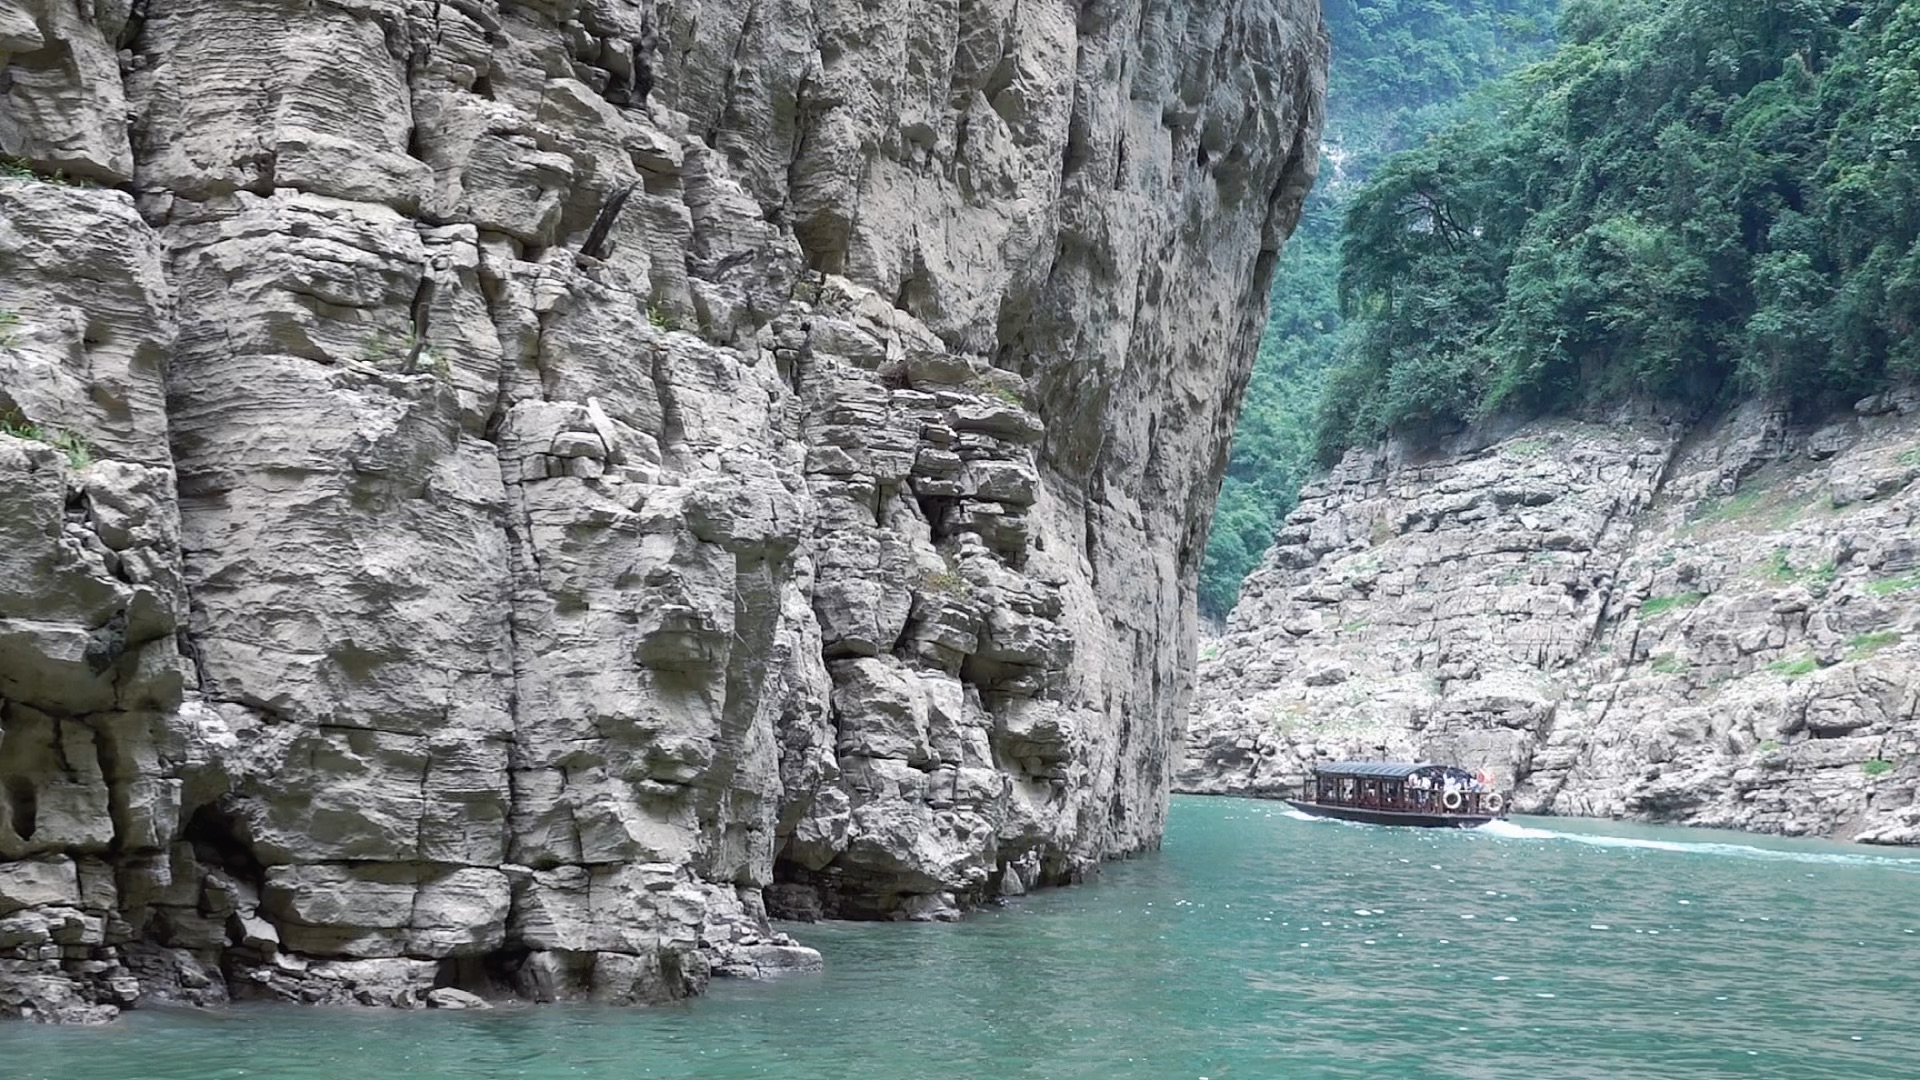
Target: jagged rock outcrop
column 1715, row 625
column 493, row 494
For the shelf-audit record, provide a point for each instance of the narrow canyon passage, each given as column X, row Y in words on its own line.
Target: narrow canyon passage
column 1253, row 945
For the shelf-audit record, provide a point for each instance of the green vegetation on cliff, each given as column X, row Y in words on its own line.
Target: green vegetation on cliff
column 1690, row 201
column 1399, row 70
column 1399, row 66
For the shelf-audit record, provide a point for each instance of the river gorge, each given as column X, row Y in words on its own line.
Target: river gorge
column 1254, row 945
column 706, row 516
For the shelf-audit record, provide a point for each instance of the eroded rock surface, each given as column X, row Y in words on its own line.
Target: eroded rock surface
column 497, row 495
column 1717, row 626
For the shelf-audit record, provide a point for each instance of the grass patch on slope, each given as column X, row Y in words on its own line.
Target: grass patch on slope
column 74, row 445
column 1780, row 568
column 1861, row 645
column 1659, row 605
column 1795, row 668
column 1893, row 585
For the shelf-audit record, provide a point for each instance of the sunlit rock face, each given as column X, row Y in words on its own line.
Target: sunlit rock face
column 497, row 494
column 1713, row 624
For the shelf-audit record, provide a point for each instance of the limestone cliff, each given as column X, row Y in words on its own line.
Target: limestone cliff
column 1717, row 625
column 498, row 493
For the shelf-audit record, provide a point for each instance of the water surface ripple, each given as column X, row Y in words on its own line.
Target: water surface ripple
column 1256, row 945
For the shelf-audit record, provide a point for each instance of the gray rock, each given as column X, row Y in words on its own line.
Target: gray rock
column 767, row 961
column 1741, row 659
column 35, row 883
column 605, row 489
column 446, row 997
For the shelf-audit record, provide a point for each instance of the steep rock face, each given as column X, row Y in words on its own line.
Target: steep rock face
column 1717, row 626
column 497, row 493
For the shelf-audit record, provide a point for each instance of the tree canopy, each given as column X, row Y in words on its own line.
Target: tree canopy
column 1399, row 70
column 1690, row 201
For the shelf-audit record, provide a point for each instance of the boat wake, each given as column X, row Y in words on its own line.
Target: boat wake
column 1520, row 832
column 1300, row 815
column 1509, row 831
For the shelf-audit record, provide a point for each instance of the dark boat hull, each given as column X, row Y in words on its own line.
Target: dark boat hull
column 1391, row 817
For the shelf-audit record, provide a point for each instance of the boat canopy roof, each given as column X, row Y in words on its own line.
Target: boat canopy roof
column 1381, row 770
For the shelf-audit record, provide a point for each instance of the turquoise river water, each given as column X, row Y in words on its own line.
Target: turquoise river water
column 1255, row 945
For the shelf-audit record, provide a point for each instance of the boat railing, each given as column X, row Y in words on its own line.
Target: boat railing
column 1376, row 795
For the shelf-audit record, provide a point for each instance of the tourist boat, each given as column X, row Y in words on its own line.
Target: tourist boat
column 1399, row 793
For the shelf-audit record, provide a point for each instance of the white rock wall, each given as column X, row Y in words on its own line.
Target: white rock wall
column 1715, row 625
column 497, row 494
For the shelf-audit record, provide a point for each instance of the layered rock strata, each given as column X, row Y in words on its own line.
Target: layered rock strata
column 494, row 495
column 1715, row 625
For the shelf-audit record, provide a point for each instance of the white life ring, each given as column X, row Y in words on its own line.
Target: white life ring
column 1495, row 803
column 1451, row 800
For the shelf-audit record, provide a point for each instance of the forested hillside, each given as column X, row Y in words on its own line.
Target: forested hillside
column 1400, row 69
column 1691, row 201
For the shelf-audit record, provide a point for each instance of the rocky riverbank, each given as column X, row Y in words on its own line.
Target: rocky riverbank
column 1715, row 624
column 497, row 494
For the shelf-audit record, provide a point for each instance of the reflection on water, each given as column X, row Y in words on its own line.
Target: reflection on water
column 1257, row 945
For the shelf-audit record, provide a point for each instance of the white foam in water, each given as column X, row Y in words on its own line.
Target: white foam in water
column 1508, row 830
column 1518, row 832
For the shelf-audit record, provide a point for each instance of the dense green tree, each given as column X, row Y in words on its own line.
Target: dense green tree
column 1691, row 201
column 1399, row 70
